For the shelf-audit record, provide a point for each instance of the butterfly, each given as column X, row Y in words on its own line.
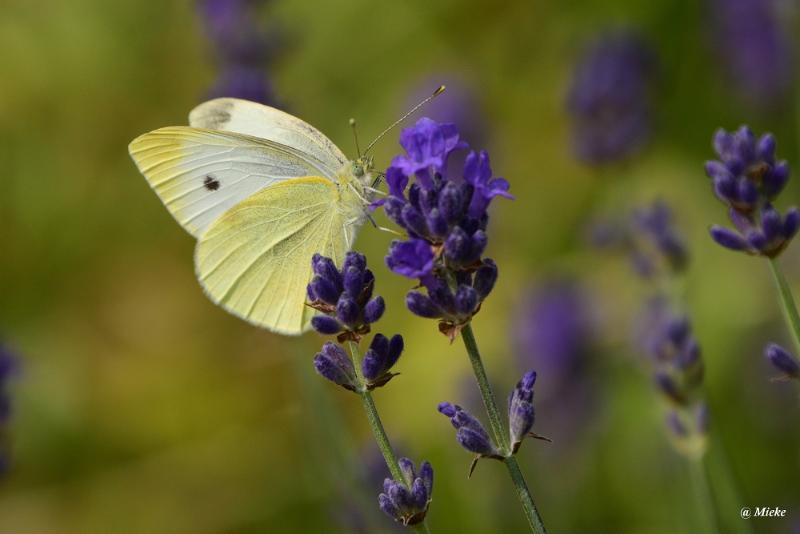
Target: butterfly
column 262, row 191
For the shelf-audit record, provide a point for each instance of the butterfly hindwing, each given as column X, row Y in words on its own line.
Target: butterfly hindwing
column 255, row 260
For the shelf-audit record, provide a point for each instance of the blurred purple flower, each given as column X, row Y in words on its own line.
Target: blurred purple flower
column 609, row 98
column 242, row 48
column 554, row 332
column 648, row 236
column 754, row 48
column 678, row 371
column 458, row 105
column 8, row 368
column 783, row 361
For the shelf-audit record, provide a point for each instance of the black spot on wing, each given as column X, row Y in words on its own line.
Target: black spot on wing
column 211, row 183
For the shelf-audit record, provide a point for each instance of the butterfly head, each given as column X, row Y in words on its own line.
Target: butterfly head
column 362, row 169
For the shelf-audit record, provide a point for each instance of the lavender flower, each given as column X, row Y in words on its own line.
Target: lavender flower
column 609, row 99
column 783, row 361
column 521, row 414
column 649, row 237
column 747, row 178
column 678, row 373
column 243, row 51
column 383, row 353
column 344, row 297
column 446, row 221
column 406, row 501
column 754, row 49
column 8, row 367
column 473, row 436
column 333, row 363
column 470, row 432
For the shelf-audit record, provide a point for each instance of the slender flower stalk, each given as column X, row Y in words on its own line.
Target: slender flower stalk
column 444, row 213
column 748, row 178
column 659, row 255
column 348, row 310
column 523, row 493
column 787, row 302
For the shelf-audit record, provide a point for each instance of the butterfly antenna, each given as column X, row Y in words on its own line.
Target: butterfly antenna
column 355, row 136
column 436, row 93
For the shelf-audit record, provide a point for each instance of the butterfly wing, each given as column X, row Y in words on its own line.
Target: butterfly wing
column 255, row 260
column 258, row 120
column 199, row 174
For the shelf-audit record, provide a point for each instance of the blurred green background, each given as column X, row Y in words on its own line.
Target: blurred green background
column 142, row 407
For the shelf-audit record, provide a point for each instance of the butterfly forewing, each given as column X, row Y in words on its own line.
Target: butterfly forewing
column 251, row 118
column 200, row 174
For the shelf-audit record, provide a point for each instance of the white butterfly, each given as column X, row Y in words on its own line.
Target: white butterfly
column 262, row 191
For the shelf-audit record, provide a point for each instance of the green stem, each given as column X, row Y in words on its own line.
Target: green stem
column 499, row 431
column 376, row 426
column 789, row 306
column 705, row 503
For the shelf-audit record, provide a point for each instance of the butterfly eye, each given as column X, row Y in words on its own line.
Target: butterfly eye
column 358, row 171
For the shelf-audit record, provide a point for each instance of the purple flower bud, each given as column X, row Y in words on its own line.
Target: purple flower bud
column 325, row 268
column 414, row 221
column 436, row 223
column 470, row 432
column 728, row 238
column 373, row 310
column 475, row 441
column 451, row 203
column 423, row 306
column 412, row 258
column 326, row 325
column 765, row 149
column 407, row 501
column 520, row 409
column 348, row 310
column 466, row 300
column 485, row 278
column 426, row 474
column 388, row 507
column 333, row 364
column 669, row 388
column 791, row 223
column 771, row 223
column 775, row 180
column 419, row 495
column 354, row 260
column 324, row 290
column 353, row 281
column 381, row 357
column 782, row 360
column 457, row 248
column 747, row 192
column 407, row 468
